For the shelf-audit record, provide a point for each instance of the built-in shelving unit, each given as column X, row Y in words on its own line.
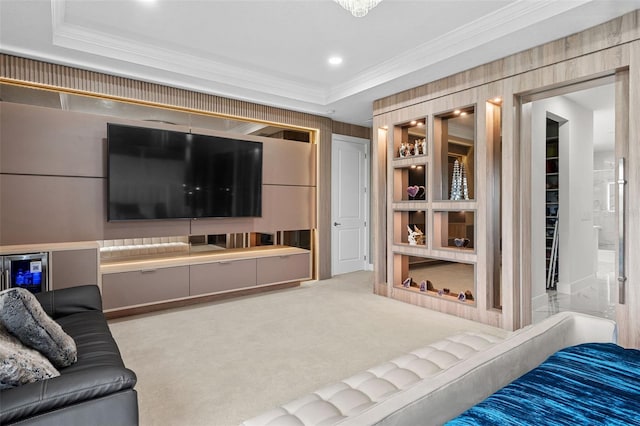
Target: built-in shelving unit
column 552, row 201
column 431, row 208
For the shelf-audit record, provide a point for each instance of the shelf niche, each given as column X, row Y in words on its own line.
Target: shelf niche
column 410, row 139
column 454, row 230
column 454, row 137
column 410, row 183
column 437, row 278
column 403, row 220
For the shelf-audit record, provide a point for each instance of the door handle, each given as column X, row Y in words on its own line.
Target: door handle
column 336, row 224
column 621, row 231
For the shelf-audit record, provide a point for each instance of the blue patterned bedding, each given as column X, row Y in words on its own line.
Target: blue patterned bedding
column 588, row 384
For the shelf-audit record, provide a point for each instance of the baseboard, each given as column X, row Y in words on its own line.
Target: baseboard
column 540, row 301
column 160, row 306
column 575, row 286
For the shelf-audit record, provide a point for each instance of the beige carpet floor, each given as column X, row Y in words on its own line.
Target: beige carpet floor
column 223, row 362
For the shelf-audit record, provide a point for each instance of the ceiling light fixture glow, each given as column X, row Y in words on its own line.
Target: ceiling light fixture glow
column 358, row 8
column 335, row 60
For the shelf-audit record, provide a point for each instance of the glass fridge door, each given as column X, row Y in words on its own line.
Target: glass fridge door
column 28, row 271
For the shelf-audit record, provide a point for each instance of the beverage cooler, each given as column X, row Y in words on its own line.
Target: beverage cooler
column 28, row 271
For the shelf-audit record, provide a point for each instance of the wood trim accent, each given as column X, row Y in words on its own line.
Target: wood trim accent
column 378, row 210
column 48, row 76
column 347, row 129
column 628, row 130
column 219, row 297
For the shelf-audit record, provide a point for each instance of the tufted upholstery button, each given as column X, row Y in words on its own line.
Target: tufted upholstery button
column 336, row 402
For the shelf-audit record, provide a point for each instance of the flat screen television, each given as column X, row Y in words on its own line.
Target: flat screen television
column 163, row 174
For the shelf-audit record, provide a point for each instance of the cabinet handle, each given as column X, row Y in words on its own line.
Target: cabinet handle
column 284, row 256
column 147, row 271
column 226, row 262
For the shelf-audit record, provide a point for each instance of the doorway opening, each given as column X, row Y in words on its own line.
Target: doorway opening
column 573, row 211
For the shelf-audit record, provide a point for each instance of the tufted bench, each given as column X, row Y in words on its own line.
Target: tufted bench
column 338, row 402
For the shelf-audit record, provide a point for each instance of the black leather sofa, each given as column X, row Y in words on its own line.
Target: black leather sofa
column 96, row 390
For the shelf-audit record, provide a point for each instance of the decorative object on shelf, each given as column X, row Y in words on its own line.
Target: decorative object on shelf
column 468, row 295
column 423, row 285
column 461, row 242
column 424, row 146
column 461, row 297
column 416, row 236
column 403, row 150
column 459, row 186
column 440, row 292
column 407, row 283
column 416, row 191
column 358, row 8
column 446, row 290
column 456, row 182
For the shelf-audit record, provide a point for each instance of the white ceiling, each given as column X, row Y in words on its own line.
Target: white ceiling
column 275, row 52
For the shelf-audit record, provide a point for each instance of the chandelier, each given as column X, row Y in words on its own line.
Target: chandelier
column 358, row 8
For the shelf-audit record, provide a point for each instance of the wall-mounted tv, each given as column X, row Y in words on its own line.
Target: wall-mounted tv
column 163, row 174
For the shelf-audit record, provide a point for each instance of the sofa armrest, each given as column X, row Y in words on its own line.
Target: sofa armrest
column 67, row 301
column 34, row 398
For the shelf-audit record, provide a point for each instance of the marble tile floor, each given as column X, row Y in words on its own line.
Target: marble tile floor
column 599, row 298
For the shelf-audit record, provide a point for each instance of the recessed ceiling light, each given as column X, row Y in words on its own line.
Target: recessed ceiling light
column 335, row 60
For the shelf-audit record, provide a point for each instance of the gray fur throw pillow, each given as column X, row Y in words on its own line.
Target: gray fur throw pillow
column 19, row 364
column 22, row 315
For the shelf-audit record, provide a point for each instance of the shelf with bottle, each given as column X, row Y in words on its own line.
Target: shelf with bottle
column 410, row 228
column 430, row 276
column 454, row 230
column 410, row 139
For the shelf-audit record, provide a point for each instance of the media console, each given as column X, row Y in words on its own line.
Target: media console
column 142, row 284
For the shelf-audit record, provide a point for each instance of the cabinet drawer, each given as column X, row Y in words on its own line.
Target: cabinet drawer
column 221, row 276
column 278, row 269
column 137, row 287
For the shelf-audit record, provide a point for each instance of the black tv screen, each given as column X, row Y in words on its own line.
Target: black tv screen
column 162, row 174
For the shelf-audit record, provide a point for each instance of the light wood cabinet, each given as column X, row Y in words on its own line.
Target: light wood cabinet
column 126, row 284
column 144, row 286
column 222, row 276
column 72, row 268
column 286, row 268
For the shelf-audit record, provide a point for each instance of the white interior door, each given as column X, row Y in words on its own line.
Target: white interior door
column 349, row 181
